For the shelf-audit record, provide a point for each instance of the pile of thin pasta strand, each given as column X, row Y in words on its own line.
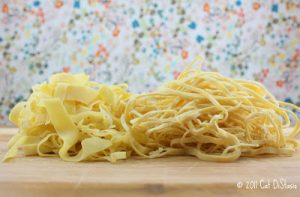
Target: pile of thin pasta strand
column 212, row 117
column 203, row 114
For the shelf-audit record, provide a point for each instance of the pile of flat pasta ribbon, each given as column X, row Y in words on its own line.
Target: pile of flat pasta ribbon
column 72, row 117
column 203, row 114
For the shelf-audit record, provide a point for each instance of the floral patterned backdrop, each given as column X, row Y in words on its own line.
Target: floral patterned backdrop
column 145, row 43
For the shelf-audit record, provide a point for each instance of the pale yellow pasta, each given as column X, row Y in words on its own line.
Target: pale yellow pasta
column 217, row 121
column 73, row 118
column 203, row 114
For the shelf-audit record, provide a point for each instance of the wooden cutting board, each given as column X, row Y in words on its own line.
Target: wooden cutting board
column 173, row 176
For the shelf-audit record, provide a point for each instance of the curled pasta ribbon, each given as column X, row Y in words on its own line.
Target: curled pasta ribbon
column 202, row 114
column 73, row 118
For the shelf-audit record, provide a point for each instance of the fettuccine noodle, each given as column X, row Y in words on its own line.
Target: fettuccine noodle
column 73, row 118
column 203, row 114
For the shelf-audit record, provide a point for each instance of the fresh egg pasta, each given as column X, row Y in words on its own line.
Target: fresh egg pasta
column 73, row 118
column 203, row 114
column 209, row 116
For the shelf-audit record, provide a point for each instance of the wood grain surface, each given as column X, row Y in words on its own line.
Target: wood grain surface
column 172, row 176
